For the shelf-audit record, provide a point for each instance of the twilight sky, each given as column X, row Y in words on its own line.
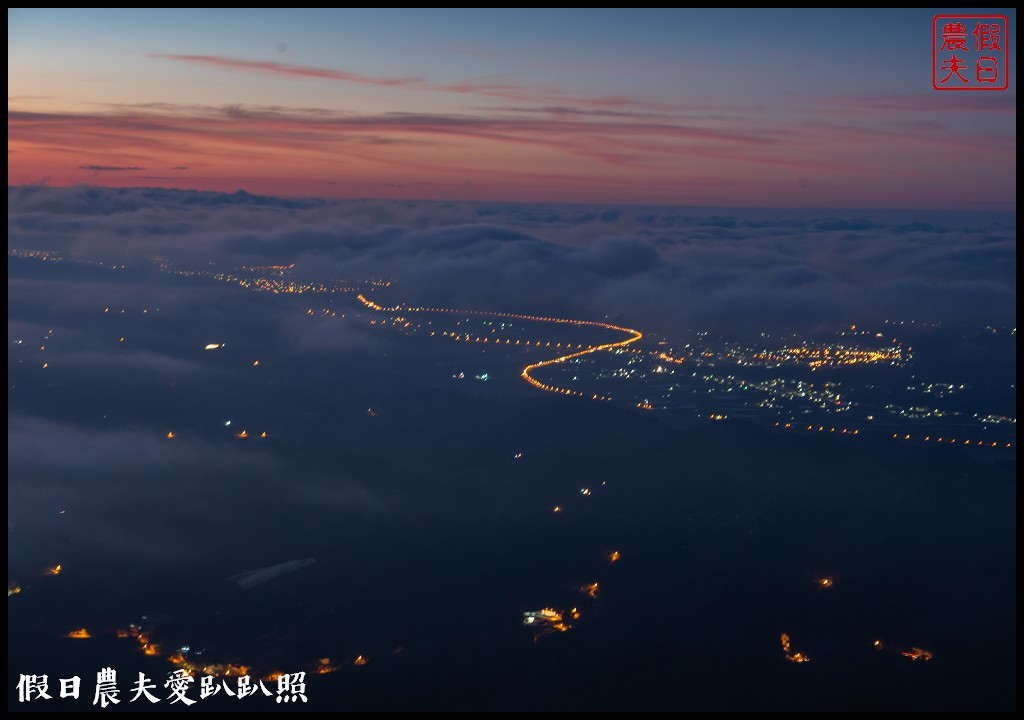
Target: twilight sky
column 735, row 108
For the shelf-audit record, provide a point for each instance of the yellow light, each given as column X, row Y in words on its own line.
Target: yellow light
column 796, row 657
column 323, row 666
column 917, row 654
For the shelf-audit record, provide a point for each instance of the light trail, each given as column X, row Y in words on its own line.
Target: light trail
column 527, row 372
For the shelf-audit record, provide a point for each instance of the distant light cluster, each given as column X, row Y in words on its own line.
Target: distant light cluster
column 270, row 279
column 41, row 255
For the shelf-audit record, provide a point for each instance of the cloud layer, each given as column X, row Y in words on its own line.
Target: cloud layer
column 655, row 267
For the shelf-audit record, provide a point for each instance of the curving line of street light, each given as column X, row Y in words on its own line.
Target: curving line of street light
column 527, row 371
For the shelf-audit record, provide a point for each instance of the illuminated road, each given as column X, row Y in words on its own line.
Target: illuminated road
column 527, row 372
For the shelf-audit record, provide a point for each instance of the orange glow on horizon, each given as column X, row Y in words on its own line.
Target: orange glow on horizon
column 543, row 159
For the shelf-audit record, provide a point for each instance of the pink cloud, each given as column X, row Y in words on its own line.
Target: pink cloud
column 561, row 156
column 507, row 91
column 287, row 69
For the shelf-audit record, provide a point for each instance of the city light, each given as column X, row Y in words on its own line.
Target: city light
column 787, row 651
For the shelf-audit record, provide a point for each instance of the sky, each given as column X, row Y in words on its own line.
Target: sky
column 815, row 108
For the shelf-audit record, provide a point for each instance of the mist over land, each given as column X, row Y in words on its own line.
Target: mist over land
column 350, row 410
